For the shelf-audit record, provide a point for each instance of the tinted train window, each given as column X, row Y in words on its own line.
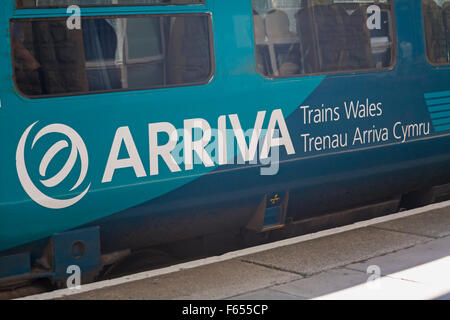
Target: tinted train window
column 299, row 37
column 65, row 3
column 436, row 15
column 111, row 54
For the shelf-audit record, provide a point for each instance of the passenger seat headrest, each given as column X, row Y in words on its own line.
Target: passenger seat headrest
column 260, row 31
column 277, row 24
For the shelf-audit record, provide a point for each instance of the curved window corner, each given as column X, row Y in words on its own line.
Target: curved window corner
column 111, row 54
column 305, row 37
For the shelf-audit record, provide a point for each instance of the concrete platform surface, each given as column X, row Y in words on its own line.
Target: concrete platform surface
column 214, row 281
column 407, row 258
column 322, row 254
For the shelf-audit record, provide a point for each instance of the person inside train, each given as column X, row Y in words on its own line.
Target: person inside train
column 276, row 44
column 56, row 67
column 188, row 52
column 23, row 53
column 100, row 44
column 333, row 36
column 19, row 49
column 436, row 25
column 285, row 42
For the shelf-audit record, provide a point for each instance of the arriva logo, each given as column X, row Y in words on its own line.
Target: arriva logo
column 78, row 148
column 195, row 146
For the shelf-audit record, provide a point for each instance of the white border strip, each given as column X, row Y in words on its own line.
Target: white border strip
column 231, row 255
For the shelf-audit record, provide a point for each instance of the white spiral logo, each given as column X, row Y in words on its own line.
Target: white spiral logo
column 78, row 148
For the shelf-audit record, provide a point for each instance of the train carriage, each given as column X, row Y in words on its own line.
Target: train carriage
column 127, row 124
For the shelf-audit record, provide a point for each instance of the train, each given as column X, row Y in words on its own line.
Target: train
column 130, row 124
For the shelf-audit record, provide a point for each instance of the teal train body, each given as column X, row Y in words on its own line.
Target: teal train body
column 345, row 140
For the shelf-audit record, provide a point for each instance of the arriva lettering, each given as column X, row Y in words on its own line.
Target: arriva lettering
column 196, row 136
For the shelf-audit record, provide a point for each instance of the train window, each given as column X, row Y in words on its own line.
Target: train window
column 109, row 54
column 300, row 37
column 436, row 15
column 65, row 3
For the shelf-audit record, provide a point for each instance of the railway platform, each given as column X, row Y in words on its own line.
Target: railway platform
column 401, row 256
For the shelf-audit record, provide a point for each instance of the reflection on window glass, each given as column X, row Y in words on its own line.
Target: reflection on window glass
column 436, row 15
column 65, row 3
column 111, row 54
column 298, row 37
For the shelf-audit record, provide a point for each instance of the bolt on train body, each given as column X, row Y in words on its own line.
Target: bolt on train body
column 131, row 124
